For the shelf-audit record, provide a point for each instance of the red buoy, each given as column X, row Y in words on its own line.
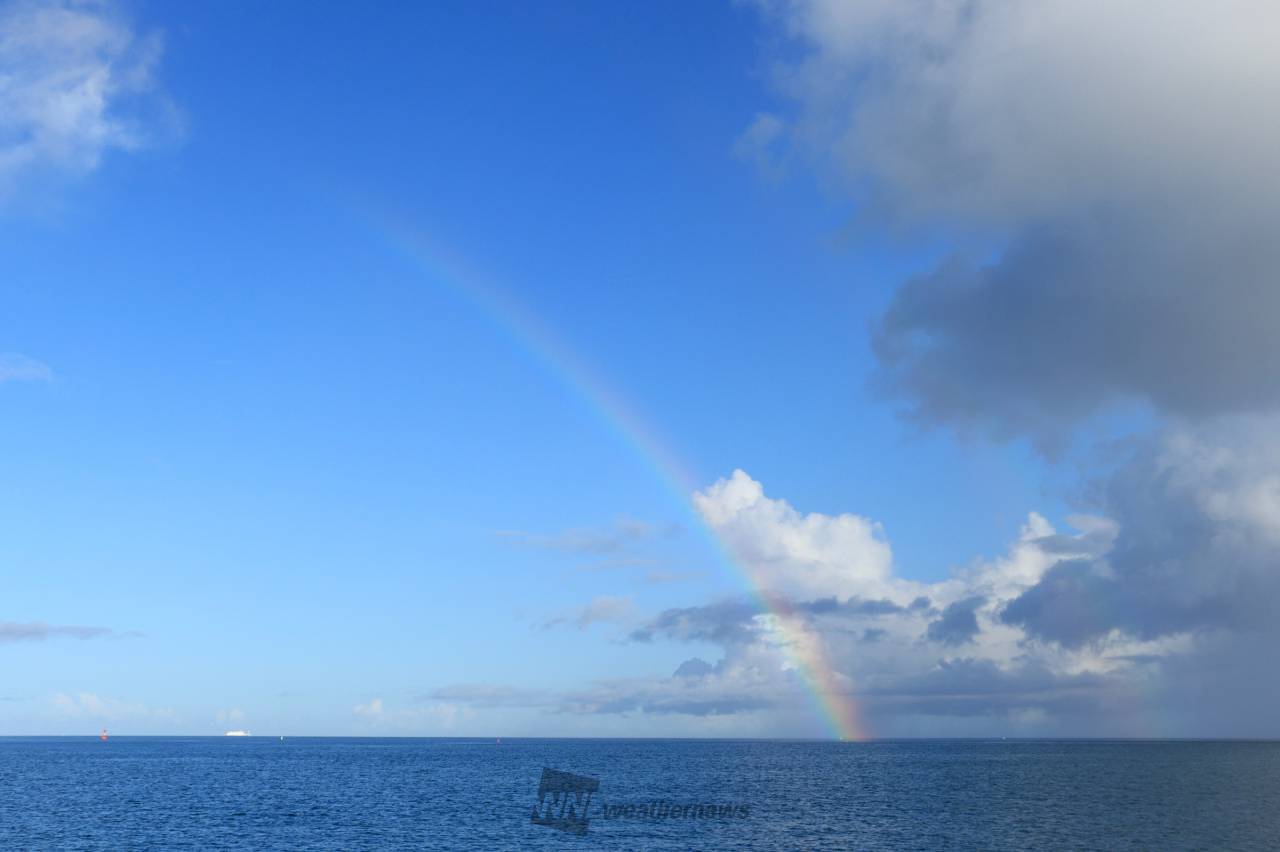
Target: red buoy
column 103, row 736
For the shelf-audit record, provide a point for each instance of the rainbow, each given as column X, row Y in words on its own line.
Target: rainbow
column 805, row 650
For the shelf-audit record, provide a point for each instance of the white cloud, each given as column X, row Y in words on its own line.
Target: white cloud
column 38, row 631
column 902, row 647
column 802, row 556
column 620, row 537
column 89, row 705
column 1004, row 111
column 71, row 74
column 1069, row 633
column 761, row 144
column 602, row 609
column 429, row 718
column 233, row 716
column 887, row 636
column 20, row 368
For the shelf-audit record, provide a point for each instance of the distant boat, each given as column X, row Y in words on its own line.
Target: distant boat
column 103, row 736
column 237, row 733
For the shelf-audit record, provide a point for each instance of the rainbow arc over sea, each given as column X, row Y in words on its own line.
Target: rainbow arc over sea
column 831, row 694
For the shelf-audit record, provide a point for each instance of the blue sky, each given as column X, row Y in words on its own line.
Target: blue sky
column 306, row 485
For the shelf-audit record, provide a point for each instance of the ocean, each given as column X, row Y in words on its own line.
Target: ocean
column 349, row 794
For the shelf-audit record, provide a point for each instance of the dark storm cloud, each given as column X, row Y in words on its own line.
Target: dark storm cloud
column 1091, row 543
column 1071, row 604
column 1108, row 172
column 733, row 622
column 1198, row 545
column 724, row 623
column 958, row 624
column 1230, row 687
column 969, row 687
column 660, row 702
column 1080, row 315
column 696, row 689
column 856, row 606
column 487, row 695
column 694, row 667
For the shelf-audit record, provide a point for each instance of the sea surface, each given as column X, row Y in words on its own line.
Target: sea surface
column 349, row 794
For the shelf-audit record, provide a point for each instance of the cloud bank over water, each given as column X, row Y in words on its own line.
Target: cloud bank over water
column 1104, row 178
column 1072, row 632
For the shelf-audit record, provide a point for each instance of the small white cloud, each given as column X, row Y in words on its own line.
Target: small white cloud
column 232, row 716
column 618, row 538
column 659, row 576
column 761, row 145
column 69, row 74
column 89, row 705
column 428, row 718
column 20, row 368
column 601, row 609
column 38, row 631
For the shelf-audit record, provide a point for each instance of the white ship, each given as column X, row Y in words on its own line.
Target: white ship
column 237, row 733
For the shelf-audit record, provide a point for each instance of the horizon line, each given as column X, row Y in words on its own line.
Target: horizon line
column 871, row 740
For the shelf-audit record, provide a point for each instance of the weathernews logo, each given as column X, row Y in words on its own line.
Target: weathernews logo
column 564, row 802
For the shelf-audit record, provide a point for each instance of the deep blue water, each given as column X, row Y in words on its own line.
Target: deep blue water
column 261, row 793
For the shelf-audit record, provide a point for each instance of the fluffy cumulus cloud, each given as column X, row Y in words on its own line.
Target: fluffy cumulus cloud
column 908, row 650
column 833, row 574
column 74, row 77
column 1106, row 171
column 1071, row 632
column 803, row 556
